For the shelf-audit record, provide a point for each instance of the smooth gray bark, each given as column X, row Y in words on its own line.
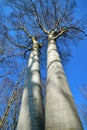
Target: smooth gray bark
column 60, row 113
column 31, row 112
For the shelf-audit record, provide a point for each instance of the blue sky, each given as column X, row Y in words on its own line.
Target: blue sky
column 76, row 72
column 76, row 68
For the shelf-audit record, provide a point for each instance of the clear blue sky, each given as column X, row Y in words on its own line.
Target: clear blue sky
column 76, row 69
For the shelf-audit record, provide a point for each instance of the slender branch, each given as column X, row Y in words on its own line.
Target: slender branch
column 55, row 11
column 27, row 51
column 25, row 30
column 12, row 98
column 7, row 109
column 21, row 28
column 43, row 14
column 57, row 23
column 37, row 19
column 1, row 76
column 62, row 31
column 43, row 28
column 77, row 29
column 14, row 43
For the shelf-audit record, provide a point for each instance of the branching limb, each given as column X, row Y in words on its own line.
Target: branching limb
column 57, row 23
column 37, row 19
column 14, row 43
column 25, row 30
column 21, row 28
column 62, row 31
column 77, row 29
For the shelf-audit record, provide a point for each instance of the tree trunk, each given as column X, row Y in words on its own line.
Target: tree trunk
column 60, row 113
column 31, row 111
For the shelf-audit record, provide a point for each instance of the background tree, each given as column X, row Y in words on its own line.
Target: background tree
column 10, row 103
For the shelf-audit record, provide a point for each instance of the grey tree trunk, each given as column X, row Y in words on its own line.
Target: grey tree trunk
column 31, row 112
column 60, row 113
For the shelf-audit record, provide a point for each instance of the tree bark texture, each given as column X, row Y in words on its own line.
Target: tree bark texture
column 31, row 115
column 60, row 113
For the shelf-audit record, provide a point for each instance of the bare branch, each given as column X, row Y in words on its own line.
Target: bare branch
column 14, row 43
column 11, row 100
column 77, row 29
column 1, row 76
column 27, row 51
column 37, row 18
column 62, row 31
column 24, row 29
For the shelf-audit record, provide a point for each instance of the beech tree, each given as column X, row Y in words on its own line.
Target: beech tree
column 52, row 23
column 31, row 115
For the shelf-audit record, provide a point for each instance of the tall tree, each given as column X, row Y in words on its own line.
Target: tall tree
column 31, row 115
column 60, row 111
column 52, row 21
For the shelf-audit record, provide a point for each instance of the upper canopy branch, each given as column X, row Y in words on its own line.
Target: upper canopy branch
column 14, row 43
column 24, row 29
column 60, row 33
column 37, row 18
column 63, row 30
column 77, row 29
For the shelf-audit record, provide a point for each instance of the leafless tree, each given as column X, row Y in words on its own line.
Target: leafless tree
column 50, row 22
column 12, row 98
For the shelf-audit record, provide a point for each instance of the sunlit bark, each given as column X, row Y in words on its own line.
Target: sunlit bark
column 61, row 113
column 31, row 112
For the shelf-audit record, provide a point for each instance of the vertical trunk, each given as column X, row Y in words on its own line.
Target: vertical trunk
column 60, row 111
column 31, row 111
